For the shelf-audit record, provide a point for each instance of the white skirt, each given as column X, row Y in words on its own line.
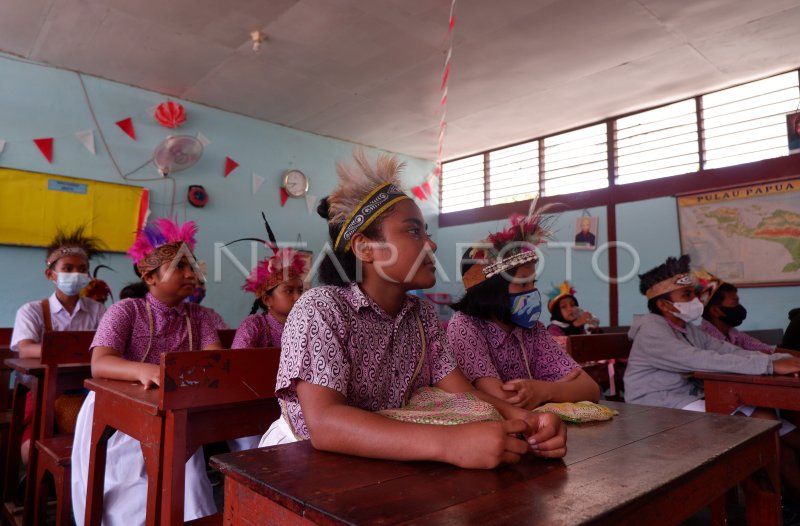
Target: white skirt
column 278, row 433
column 125, row 495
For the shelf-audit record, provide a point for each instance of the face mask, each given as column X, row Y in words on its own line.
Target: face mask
column 689, row 310
column 71, row 283
column 196, row 296
column 734, row 316
column 525, row 308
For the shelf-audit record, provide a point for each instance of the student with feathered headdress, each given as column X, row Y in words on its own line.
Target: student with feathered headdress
column 500, row 344
column 127, row 346
column 277, row 283
column 566, row 316
column 358, row 348
column 67, row 266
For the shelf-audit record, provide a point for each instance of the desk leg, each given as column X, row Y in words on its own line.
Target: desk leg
column 720, row 397
column 174, row 474
column 11, row 475
column 97, row 471
column 152, row 461
column 763, row 490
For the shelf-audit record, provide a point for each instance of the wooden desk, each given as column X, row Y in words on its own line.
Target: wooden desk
column 205, row 396
column 647, row 466
column 30, row 378
column 726, row 391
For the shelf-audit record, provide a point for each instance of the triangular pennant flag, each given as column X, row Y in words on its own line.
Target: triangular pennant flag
column 230, row 165
column 426, row 186
column 2, row 145
column 87, row 138
column 311, row 200
column 257, row 182
column 203, row 139
column 46, row 147
column 418, row 193
column 284, row 196
column 126, row 125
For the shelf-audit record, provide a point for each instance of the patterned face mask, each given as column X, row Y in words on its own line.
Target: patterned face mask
column 525, row 308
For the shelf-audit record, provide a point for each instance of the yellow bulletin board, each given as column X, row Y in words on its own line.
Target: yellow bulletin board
column 34, row 206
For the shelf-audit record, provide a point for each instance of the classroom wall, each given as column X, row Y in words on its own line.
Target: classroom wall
column 39, row 101
column 650, row 229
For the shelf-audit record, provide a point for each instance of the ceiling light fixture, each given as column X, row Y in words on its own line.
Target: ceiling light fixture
column 257, row 37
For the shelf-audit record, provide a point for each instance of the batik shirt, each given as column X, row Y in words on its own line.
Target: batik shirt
column 126, row 329
column 258, row 330
column 739, row 339
column 484, row 350
column 338, row 337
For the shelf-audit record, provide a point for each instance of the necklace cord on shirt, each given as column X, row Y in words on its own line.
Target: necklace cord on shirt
column 525, row 358
column 152, row 330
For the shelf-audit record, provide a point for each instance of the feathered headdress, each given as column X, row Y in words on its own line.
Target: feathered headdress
column 285, row 264
column 160, row 242
column 559, row 291
column 73, row 243
column 509, row 248
column 671, row 275
column 363, row 194
column 706, row 285
column 97, row 289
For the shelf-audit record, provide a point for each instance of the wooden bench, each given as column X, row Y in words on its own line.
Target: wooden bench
column 205, row 396
column 603, row 356
column 55, row 452
column 226, row 337
column 768, row 336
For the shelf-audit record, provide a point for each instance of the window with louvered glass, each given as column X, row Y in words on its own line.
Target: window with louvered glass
column 463, row 184
column 657, row 143
column 747, row 123
column 576, row 161
column 514, row 173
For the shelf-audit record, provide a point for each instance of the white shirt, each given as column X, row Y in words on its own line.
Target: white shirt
column 29, row 323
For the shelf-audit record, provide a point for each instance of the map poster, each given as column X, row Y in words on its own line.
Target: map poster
column 749, row 235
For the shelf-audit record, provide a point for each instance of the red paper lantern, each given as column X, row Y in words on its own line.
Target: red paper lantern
column 170, row 114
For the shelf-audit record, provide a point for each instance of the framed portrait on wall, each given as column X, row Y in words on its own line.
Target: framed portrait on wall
column 793, row 131
column 586, row 233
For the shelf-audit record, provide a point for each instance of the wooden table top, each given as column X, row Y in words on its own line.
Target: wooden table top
column 129, row 392
column 760, row 379
column 613, row 465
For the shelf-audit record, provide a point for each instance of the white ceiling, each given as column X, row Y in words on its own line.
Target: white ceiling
column 369, row 71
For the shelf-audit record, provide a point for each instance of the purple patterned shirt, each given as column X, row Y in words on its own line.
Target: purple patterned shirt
column 258, row 330
column 483, row 349
column 340, row 338
column 126, row 329
column 739, row 339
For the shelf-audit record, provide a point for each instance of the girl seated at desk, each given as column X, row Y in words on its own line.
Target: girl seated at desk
column 353, row 348
column 130, row 340
column 499, row 342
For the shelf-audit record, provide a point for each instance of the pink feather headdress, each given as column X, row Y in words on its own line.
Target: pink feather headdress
column 160, row 241
column 285, row 265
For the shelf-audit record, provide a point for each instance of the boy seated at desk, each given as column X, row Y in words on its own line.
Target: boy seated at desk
column 668, row 348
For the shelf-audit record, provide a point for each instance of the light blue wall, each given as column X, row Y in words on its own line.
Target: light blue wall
column 650, row 228
column 39, row 101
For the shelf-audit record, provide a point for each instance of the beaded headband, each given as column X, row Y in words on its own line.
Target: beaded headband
column 367, row 211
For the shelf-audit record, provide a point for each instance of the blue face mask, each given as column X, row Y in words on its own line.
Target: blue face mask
column 525, row 308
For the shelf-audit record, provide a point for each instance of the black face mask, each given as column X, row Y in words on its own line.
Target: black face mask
column 734, row 316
